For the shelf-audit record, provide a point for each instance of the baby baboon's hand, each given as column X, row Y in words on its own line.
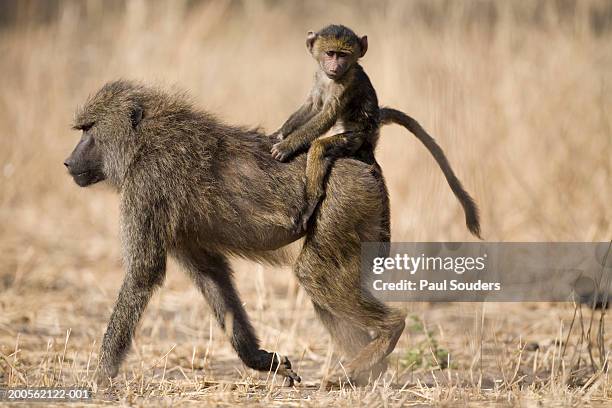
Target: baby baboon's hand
column 280, row 151
column 279, row 135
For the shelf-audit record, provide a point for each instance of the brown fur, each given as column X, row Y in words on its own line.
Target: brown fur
column 200, row 191
column 342, row 101
column 343, row 104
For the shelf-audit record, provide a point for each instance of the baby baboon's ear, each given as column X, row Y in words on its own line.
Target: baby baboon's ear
column 137, row 115
column 363, row 42
column 310, row 39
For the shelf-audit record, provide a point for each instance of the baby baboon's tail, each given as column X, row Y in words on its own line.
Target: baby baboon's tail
column 388, row 115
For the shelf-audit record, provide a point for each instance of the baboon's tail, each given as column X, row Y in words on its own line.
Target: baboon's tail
column 388, row 115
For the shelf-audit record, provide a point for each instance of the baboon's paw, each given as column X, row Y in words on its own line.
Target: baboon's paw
column 307, row 215
column 301, row 219
column 103, row 379
column 297, row 222
column 340, row 379
column 336, row 381
column 298, row 226
column 278, row 135
column 280, row 152
column 283, row 367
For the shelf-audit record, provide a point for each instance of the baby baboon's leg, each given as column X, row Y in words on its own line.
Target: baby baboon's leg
column 323, row 151
column 213, row 276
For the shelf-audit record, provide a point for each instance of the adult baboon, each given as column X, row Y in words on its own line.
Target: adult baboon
column 199, row 190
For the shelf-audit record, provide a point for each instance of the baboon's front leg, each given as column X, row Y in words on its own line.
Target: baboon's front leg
column 297, row 119
column 132, row 300
column 213, row 276
column 303, row 136
column 145, row 259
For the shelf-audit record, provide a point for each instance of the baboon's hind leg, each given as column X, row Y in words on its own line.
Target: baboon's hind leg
column 332, row 281
column 329, row 269
column 213, row 276
column 369, row 363
column 353, row 340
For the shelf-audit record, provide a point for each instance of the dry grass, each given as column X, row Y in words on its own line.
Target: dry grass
column 518, row 93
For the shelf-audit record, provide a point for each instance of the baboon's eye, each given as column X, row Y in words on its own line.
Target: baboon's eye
column 342, row 54
column 86, row 126
column 329, row 53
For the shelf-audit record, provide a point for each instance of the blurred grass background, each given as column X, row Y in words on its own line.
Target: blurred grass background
column 519, row 94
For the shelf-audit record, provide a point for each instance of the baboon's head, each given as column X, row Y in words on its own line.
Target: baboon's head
column 109, row 124
column 336, row 48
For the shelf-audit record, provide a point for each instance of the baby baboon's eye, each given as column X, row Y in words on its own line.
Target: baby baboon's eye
column 329, row 53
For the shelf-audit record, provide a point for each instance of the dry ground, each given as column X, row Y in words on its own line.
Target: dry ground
column 518, row 93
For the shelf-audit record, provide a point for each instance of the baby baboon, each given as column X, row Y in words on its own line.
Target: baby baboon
column 199, row 190
column 343, row 102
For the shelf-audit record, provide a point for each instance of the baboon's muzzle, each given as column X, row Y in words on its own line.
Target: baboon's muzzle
column 85, row 162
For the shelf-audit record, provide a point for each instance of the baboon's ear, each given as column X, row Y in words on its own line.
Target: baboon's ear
column 137, row 115
column 363, row 42
column 310, row 39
